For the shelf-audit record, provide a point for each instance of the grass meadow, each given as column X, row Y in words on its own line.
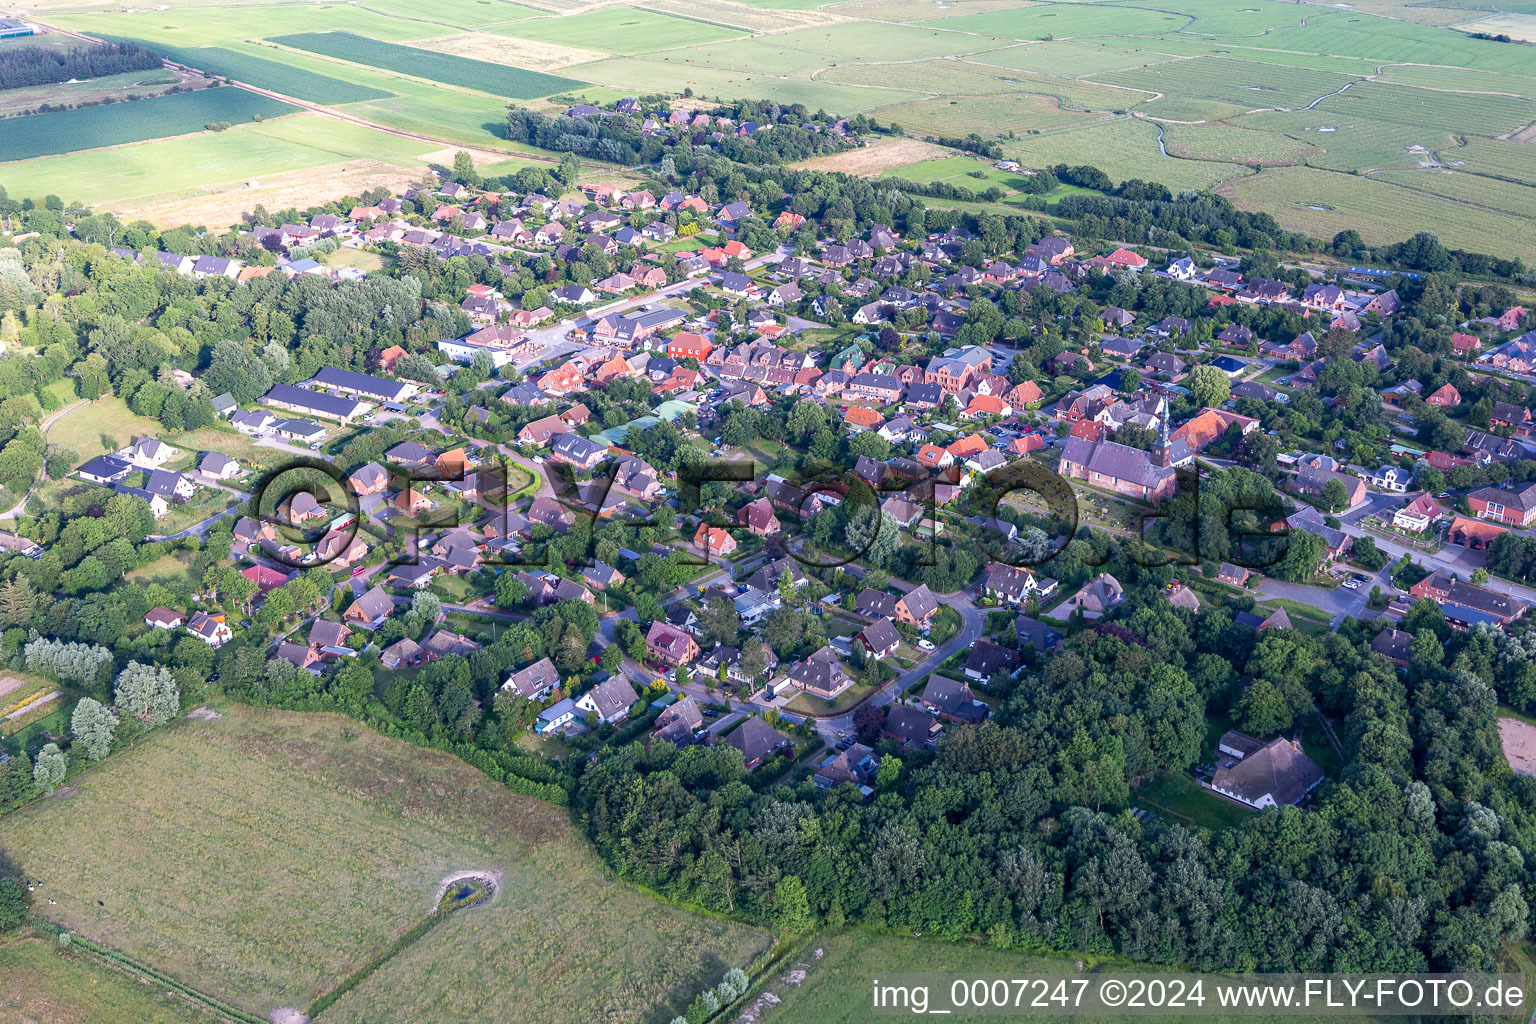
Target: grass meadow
column 1320, row 202
column 263, row 857
column 38, row 984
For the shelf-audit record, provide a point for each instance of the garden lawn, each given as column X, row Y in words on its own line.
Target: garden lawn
column 1184, row 801
column 810, row 704
column 83, row 430
column 269, row 854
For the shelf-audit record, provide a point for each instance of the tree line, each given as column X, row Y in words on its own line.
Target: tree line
column 21, row 66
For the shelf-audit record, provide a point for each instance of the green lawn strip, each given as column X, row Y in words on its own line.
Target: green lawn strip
column 268, row 74
column 1291, row 607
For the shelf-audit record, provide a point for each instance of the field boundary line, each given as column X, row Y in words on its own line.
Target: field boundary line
column 116, row 959
column 324, row 1002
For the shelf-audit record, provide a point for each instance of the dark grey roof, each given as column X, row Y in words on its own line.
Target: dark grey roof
column 920, row 602
column 881, row 635
column 987, row 659
column 362, row 383
column 755, row 739
column 1115, row 460
column 1035, row 633
column 325, row 405
column 574, row 446
column 875, row 603
column 821, row 672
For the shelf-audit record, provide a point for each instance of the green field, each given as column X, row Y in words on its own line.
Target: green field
column 209, row 162
column 1318, row 202
column 1123, row 148
column 1246, row 84
column 437, row 67
column 271, row 854
column 1236, row 85
column 268, row 74
column 93, row 127
column 37, row 984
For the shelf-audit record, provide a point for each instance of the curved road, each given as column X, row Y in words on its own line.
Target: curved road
column 43, row 427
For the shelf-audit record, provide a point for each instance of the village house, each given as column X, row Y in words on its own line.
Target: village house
column 1097, row 596
column 668, row 644
column 714, row 541
column 913, row 728
column 756, row 739
column 610, row 700
column 1262, row 775
column 821, row 675
column 533, row 682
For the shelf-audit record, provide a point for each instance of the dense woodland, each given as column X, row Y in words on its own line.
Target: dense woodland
column 793, row 133
column 22, row 66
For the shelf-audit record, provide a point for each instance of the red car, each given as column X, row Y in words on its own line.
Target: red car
column 359, row 570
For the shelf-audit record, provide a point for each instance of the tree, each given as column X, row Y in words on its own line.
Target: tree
column 93, row 726
column 791, row 907
column 14, row 901
column 1334, row 495
column 147, row 694
column 1209, row 386
column 753, row 661
column 1263, row 710
column 868, row 722
column 426, row 604
column 720, row 619
column 888, row 772
column 49, row 769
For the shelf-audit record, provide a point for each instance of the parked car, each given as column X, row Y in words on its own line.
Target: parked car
column 926, row 645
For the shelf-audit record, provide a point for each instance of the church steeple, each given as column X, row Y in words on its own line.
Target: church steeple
column 1162, row 451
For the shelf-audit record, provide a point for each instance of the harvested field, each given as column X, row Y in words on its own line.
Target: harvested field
column 527, row 53
column 879, row 156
